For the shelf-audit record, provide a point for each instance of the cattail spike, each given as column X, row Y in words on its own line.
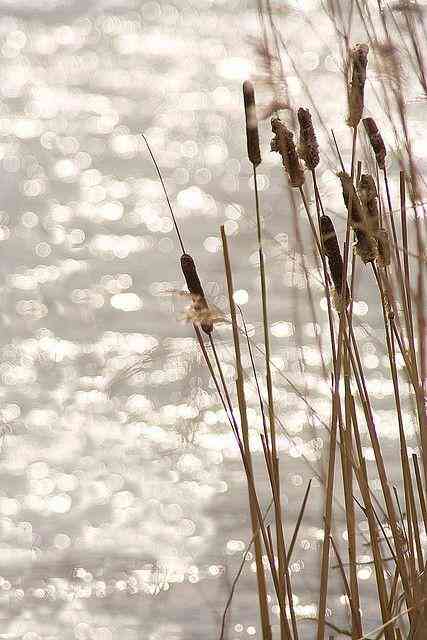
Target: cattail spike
column 377, row 143
column 333, row 253
column 366, row 245
column 368, row 196
column 384, row 252
column 195, row 288
column 359, row 57
column 283, row 143
column 308, row 148
column 349, row 193
column 252, row 136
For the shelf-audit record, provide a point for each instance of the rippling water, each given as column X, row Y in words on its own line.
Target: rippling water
column 123, row 507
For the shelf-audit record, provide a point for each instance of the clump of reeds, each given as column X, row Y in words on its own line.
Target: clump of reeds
column 391, row 532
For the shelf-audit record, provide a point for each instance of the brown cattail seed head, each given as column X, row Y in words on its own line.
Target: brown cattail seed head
column 368, row 196
column 308, row 149
column 350, row 195
column 359, row 58
column 252, row 136
column 332, row 251
column 384, row 256
column 377, row 143
column 366, row 246
column 195, row 288
column 283, row 143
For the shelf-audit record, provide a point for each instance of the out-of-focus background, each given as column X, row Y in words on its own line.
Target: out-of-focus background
column 123, row 507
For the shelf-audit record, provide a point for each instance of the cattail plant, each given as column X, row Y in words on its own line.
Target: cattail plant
column 283, row 143
column 376, row 141
column 359, row 58
column 196, row 290
column 308, row 148
column 366, row 246
column 252, row 136
column 384, row 252
column 368, row 196
column 335, row 262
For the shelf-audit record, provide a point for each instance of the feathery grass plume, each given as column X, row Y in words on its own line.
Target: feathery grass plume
column 366, row 246
column 359, row 58
column 283, row 143
column 308, row 148
column 195, row 288
column 333, row 253
column 252, row 137
column 377, row 143
column 368, row 196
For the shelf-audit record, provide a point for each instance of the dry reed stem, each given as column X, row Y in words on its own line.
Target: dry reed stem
column 275, row 482
column 420, row 488
column 324, row 572
column 238, row 574
column 362, row 478
column 245, row 432
column 406, row 288
column 347, row 475
column 409, row 495
column 354, row 613
column 255, row 510
column 380, row 465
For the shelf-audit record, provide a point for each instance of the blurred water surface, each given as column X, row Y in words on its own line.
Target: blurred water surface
column 123, row 508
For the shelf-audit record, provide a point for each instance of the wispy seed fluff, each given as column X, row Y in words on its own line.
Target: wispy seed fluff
column 377, row 143
column 366, row 246
column 359, row 59
column 308, row 149
column 283, row 143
